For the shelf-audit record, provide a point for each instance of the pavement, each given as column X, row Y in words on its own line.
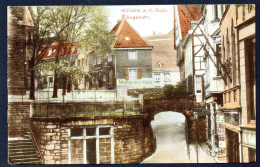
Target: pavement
column 203, row 155
column 169, row 131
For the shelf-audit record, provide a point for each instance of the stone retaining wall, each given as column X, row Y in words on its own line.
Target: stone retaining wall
column 18, row 118
column 133, row 139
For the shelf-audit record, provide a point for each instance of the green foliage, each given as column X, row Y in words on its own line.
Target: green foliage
column 169, row 92
column 63, row 69
column 154, row 95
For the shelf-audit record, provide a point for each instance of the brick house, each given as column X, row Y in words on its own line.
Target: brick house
column 130, row 64
column 19, row 37
column 239, row 103
column 164, row 67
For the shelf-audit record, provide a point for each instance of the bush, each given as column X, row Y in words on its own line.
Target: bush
column 169, row 92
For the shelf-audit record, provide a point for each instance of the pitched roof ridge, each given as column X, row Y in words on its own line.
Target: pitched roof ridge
column 118, row 31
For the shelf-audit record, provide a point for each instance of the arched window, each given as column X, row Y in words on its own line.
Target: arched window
column 159, row 64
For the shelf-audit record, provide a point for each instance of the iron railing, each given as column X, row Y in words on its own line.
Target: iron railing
column 73, row 96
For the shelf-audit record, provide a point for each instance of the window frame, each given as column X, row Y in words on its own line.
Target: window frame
column 196, row 85
column 130, row 56
column 168, row 77
column 157, row 77
column 129, row 78
column 97, row 136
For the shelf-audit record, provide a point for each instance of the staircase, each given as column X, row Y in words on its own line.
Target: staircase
column 22, row 151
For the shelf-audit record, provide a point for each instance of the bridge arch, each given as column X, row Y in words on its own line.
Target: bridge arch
column 152, row 107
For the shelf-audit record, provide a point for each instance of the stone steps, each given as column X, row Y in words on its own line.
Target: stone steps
column 22, row 151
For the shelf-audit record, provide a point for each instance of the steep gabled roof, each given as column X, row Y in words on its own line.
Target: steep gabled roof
column 64, row 49
column 187, row 13
column 126, row 36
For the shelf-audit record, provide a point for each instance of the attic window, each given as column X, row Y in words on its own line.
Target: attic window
column 50, row 51
column 127, row 38
column 159, row 64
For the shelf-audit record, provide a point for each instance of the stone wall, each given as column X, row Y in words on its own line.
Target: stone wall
column 133, row 140
column 52, row 140
column 18, row 48
column 18, row 118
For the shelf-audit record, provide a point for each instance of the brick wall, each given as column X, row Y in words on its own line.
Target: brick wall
column 18, row 118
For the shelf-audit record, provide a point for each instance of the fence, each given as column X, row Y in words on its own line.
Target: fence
column 86, row 109
column 73, row 96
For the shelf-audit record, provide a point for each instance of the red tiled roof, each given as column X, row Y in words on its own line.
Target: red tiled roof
column 188, row 13
column 65, row 49
column 124, row 30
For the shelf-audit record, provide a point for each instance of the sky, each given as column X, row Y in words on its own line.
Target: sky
column 158, row 18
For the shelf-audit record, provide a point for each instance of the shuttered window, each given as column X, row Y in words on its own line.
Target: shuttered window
column 133, row 74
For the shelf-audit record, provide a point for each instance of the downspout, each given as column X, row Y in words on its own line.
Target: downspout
column 115, row 78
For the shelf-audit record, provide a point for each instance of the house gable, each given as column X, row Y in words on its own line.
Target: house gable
column 126, row 36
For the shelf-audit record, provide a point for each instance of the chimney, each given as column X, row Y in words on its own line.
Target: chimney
column 123, row 17
column 153, row 33
column 118, row 21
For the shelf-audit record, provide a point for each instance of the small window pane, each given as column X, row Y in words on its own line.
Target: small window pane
column 76, row 132
column 90, row 131
column 104, row 131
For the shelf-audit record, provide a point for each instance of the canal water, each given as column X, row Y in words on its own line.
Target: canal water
column 170, row 133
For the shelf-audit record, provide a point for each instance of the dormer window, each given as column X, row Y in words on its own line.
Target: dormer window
column 49, row 52
column 159, row 64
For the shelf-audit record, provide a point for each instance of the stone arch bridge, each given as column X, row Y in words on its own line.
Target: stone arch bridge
column 151, row 107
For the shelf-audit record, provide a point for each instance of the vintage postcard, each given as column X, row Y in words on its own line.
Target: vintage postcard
column 131, row 84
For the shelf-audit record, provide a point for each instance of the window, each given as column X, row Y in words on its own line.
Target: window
column 199, row 63
column 94, row 60
column 198, row 85
column 132, row 55
column 82, row 62
column 218, row 51
column 159, row 65
column 78, row 63
column 49, row 52
column 157, row 77
column 166, row 77
column 215, row 15
column 86, row 143
column 50, row 82
column 109, row 58
column 99, row 60
column 132, row 74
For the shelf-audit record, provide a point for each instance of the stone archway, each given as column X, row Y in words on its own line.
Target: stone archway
column 169, row 129
column 151, row 107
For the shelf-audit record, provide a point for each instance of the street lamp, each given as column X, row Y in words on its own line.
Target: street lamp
column 195, row 116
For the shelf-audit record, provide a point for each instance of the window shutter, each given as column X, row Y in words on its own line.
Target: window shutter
column 126, row 74
column 139, row 73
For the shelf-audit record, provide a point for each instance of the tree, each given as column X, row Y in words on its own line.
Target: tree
column 84, row 26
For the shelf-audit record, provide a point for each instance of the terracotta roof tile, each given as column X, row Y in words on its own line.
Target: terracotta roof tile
column 65, row 49
column 188, row 13
column 127, row 36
